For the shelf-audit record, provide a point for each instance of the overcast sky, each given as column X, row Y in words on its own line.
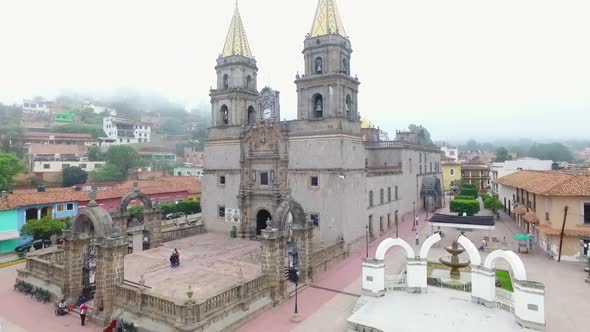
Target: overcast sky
column 482, row 69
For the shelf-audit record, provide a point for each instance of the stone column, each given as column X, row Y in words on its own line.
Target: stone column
column 373, row 282
column 304, row 247
column 417, row 275
column 273, row 249
column 483, row 286
column 153, row 224
column 529, row 304
column 73, row 247
column 137, row 241
column 109, row 272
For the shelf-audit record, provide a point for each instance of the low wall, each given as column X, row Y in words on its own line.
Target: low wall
column 43, row 270
column 324, row 258
column 183, row 232
column 223, row 311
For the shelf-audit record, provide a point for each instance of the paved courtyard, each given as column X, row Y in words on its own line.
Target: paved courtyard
column 210, row 263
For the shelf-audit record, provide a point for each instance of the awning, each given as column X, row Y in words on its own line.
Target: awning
column 519, row 210
column 9, row 235
column 531, row 218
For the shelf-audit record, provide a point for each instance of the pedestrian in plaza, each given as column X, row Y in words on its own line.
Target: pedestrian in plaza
column 83, row 309
column 172, row 261
column 177, row 254
column 417, row 239
column 417, row 220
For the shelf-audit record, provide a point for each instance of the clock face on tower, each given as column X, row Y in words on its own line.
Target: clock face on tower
column 266, row 114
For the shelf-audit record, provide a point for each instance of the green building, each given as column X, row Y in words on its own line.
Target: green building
column 63, row 117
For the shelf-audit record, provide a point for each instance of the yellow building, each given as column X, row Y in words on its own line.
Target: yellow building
column 451, row 174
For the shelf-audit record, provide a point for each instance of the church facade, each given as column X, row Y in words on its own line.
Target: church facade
column 343, row 176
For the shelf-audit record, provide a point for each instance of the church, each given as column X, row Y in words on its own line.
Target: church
column 325, row 162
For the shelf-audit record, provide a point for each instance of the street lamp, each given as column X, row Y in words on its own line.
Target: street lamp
column 396, row 226
column 292, row 270
column 367, row 239
column 414, row 220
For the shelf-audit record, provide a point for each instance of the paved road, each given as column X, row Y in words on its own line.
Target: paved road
column 21, row 313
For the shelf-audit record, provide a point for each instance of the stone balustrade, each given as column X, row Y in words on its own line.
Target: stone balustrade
column 44, row 269
column 183, row 232
column 53, row 254
column 322, row 258
column 190, row 312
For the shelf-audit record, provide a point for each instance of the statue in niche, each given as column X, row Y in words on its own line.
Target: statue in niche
column 319, row 67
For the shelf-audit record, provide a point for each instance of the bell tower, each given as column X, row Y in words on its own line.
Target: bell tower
column 233, row 101
column 326, row 88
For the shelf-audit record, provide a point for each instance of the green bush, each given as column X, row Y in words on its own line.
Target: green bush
column 463, row 197
column 491, row 203
column 469, row 192
column 468, row 206
column 467, row 186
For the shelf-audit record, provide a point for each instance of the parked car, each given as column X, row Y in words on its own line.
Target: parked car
column 37, row 244
column 174, row 215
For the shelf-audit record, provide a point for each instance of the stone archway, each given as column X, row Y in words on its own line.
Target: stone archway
column 145, row 233
column 94, row 251
column 261, row 218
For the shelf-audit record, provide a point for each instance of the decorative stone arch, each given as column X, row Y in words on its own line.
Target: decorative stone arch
column 109, row 248
column 150, row 228
column 515, row 262
column 432, row 193
column 298, row 214
column 471, row 250
column 433, row 239
column 388, row 243
column 136, row 194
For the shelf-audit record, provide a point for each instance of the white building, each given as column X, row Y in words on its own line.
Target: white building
column 37, row 106
column 124, row 131
column 101, row 109
column 451, row 152
column 188, row 171
column 59, row 166
column 501, row 169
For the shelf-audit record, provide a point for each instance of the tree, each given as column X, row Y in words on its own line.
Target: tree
column 42, row 228
column 420, row 130
column 136, row 212
column 10, row 166
column 109, row 173
column 124, row 158
column 472, row 145
column 94, row 154
column 502, row 155
column 73, row 175
column 552, row 151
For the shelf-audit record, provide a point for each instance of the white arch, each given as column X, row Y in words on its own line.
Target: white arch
column 390, row 242
column 472, row 251
column 434, row 238
column 512, row 259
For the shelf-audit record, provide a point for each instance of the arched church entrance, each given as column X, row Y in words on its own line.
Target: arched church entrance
column 261, row 217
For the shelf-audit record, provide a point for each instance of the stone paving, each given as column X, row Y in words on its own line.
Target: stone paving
column 210, row 263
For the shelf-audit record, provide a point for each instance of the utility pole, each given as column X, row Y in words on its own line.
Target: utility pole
column 561, row 235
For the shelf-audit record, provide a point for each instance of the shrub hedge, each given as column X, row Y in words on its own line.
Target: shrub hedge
column 468, row 206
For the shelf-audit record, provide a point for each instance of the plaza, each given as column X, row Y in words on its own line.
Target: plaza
column 209, row 263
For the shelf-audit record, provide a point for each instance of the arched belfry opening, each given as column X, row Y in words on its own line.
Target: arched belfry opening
column 261, row 218
column 345, row 66
column 348, row 106
column 251, row 116
column 318, row 106
column 318, row 66
column 225, row 82
column 224, row 115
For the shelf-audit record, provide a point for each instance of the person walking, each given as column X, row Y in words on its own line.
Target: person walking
column 177, row 254
column 83, row 309
column 417, row 239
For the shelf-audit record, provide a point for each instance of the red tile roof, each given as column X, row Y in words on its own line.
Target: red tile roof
column 37, row 134
column 19, row 198
column 548, row 230
column 549, row 183
column 531, row 218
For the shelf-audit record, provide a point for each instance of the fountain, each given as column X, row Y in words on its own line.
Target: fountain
column 454, row 261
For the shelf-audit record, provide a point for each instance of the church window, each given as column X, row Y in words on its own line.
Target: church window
column 249, row 82
column 318, row 106
column 315, row 219
column 224, row 115
column 221, row 211
column 371, row 198
column 222, row 179
column 315, row 181
column 251, row 115
column 318, row 65
column 345, row 66
column 264, row 178
column 225, row 82
column 389, row 194
column 396, row 194
column 348, row 105
column 431, row 167
column 381, row 194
